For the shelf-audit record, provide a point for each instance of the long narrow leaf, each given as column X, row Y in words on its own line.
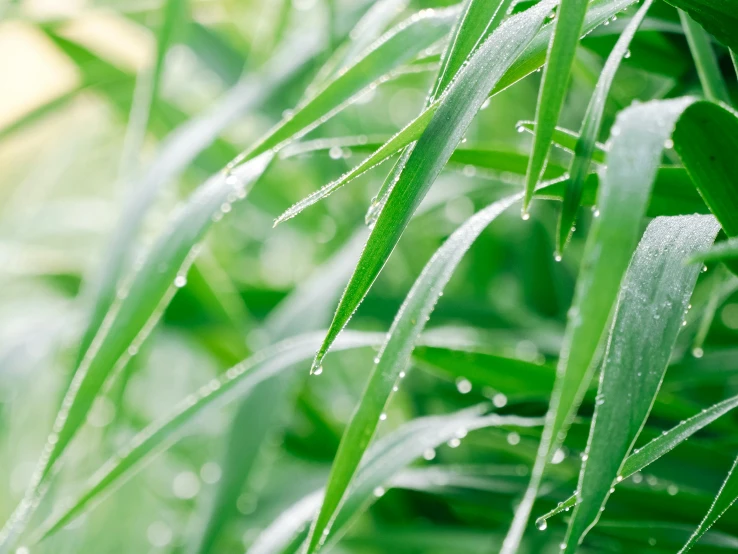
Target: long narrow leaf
column 654, row 297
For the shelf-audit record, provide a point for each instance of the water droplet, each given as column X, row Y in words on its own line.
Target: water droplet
column 525, row 216
column 557, row 257
column 499, row 400
column 429, row 454
column 669, row 144
column 513, row 438
column 318, row 371
column 453, row 443
column 558, row 456
column 627, row 54
column 463, row 385
column 402, row 375
column 585, row 457
column 382, row 417
column 180, row 281
column 379, row 492
column 698, row 352
column 542, row 525
column 335, row 152
column 672, row 490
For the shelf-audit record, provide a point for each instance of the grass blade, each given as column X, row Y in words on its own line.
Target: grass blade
column 396, row 48
column 651, row 307
column 657, row 448
column 718, row 17
column 622, row 200
column 725, row 498
column 157, row 437
column 704, row 59
column 556, row 72
column 434, row 148
column 382, row 462
column 393, row 361
column 528, row 62
column 131, row 318
column 590, row 130
column 722, row 251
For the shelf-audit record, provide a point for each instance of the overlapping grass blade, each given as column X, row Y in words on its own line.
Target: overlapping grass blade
column 591, row 126
column 445, row 131
column 725, row 498
column 529, row 61
column 394, row 49
column 657, row 448
column 622, row 199
column 393, row 361
column 556, row 72
column 382, row 462
column 705, row 60
column 718, row 17
column 132, row 316
column 265, row 365
column 651, row 307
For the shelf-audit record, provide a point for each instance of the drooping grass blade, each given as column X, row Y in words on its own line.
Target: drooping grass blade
column 649, row 315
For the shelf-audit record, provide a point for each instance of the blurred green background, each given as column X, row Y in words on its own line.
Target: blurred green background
column 72, row 156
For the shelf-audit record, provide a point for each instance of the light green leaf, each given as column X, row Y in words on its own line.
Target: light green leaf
column 265, row 365
column 651, row 306
column 556, row 72
column 393, row 361
column 130, row 319
column 445, row 131
column 591, row 126
column 722, row 251
column 657, row 448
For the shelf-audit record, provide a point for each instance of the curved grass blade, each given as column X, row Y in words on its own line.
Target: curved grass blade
column 590, row 130
column 528, row 62
column 132, row 317
column 567, row 140
column 265, row 365
column 382, row 462
column 718, row 17
column 651, row 307
column 622, row 200
column 445, row 131
column 704, row 59
column 725, row 498
column 393, row 361
column 556, row 72
column 657, row 448
column 394, row 49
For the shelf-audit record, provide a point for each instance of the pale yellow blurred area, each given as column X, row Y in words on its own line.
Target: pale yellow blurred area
column 36, row 72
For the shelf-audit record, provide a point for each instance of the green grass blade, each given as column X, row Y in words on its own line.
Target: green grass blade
column 532, row 59
column 567, row 140
column 434, row 148
column 651, row 307
column 590, row 130
column 722, row 251
column 725, row 498
column 708, row 69
column 265, row 365
column 556, row 72
column 393, row 361
column 718, row 17
column 477, row 21
column 622, row 200
column 658, row 447
column 130, row 319
column 396, row 48
column 382, row 462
